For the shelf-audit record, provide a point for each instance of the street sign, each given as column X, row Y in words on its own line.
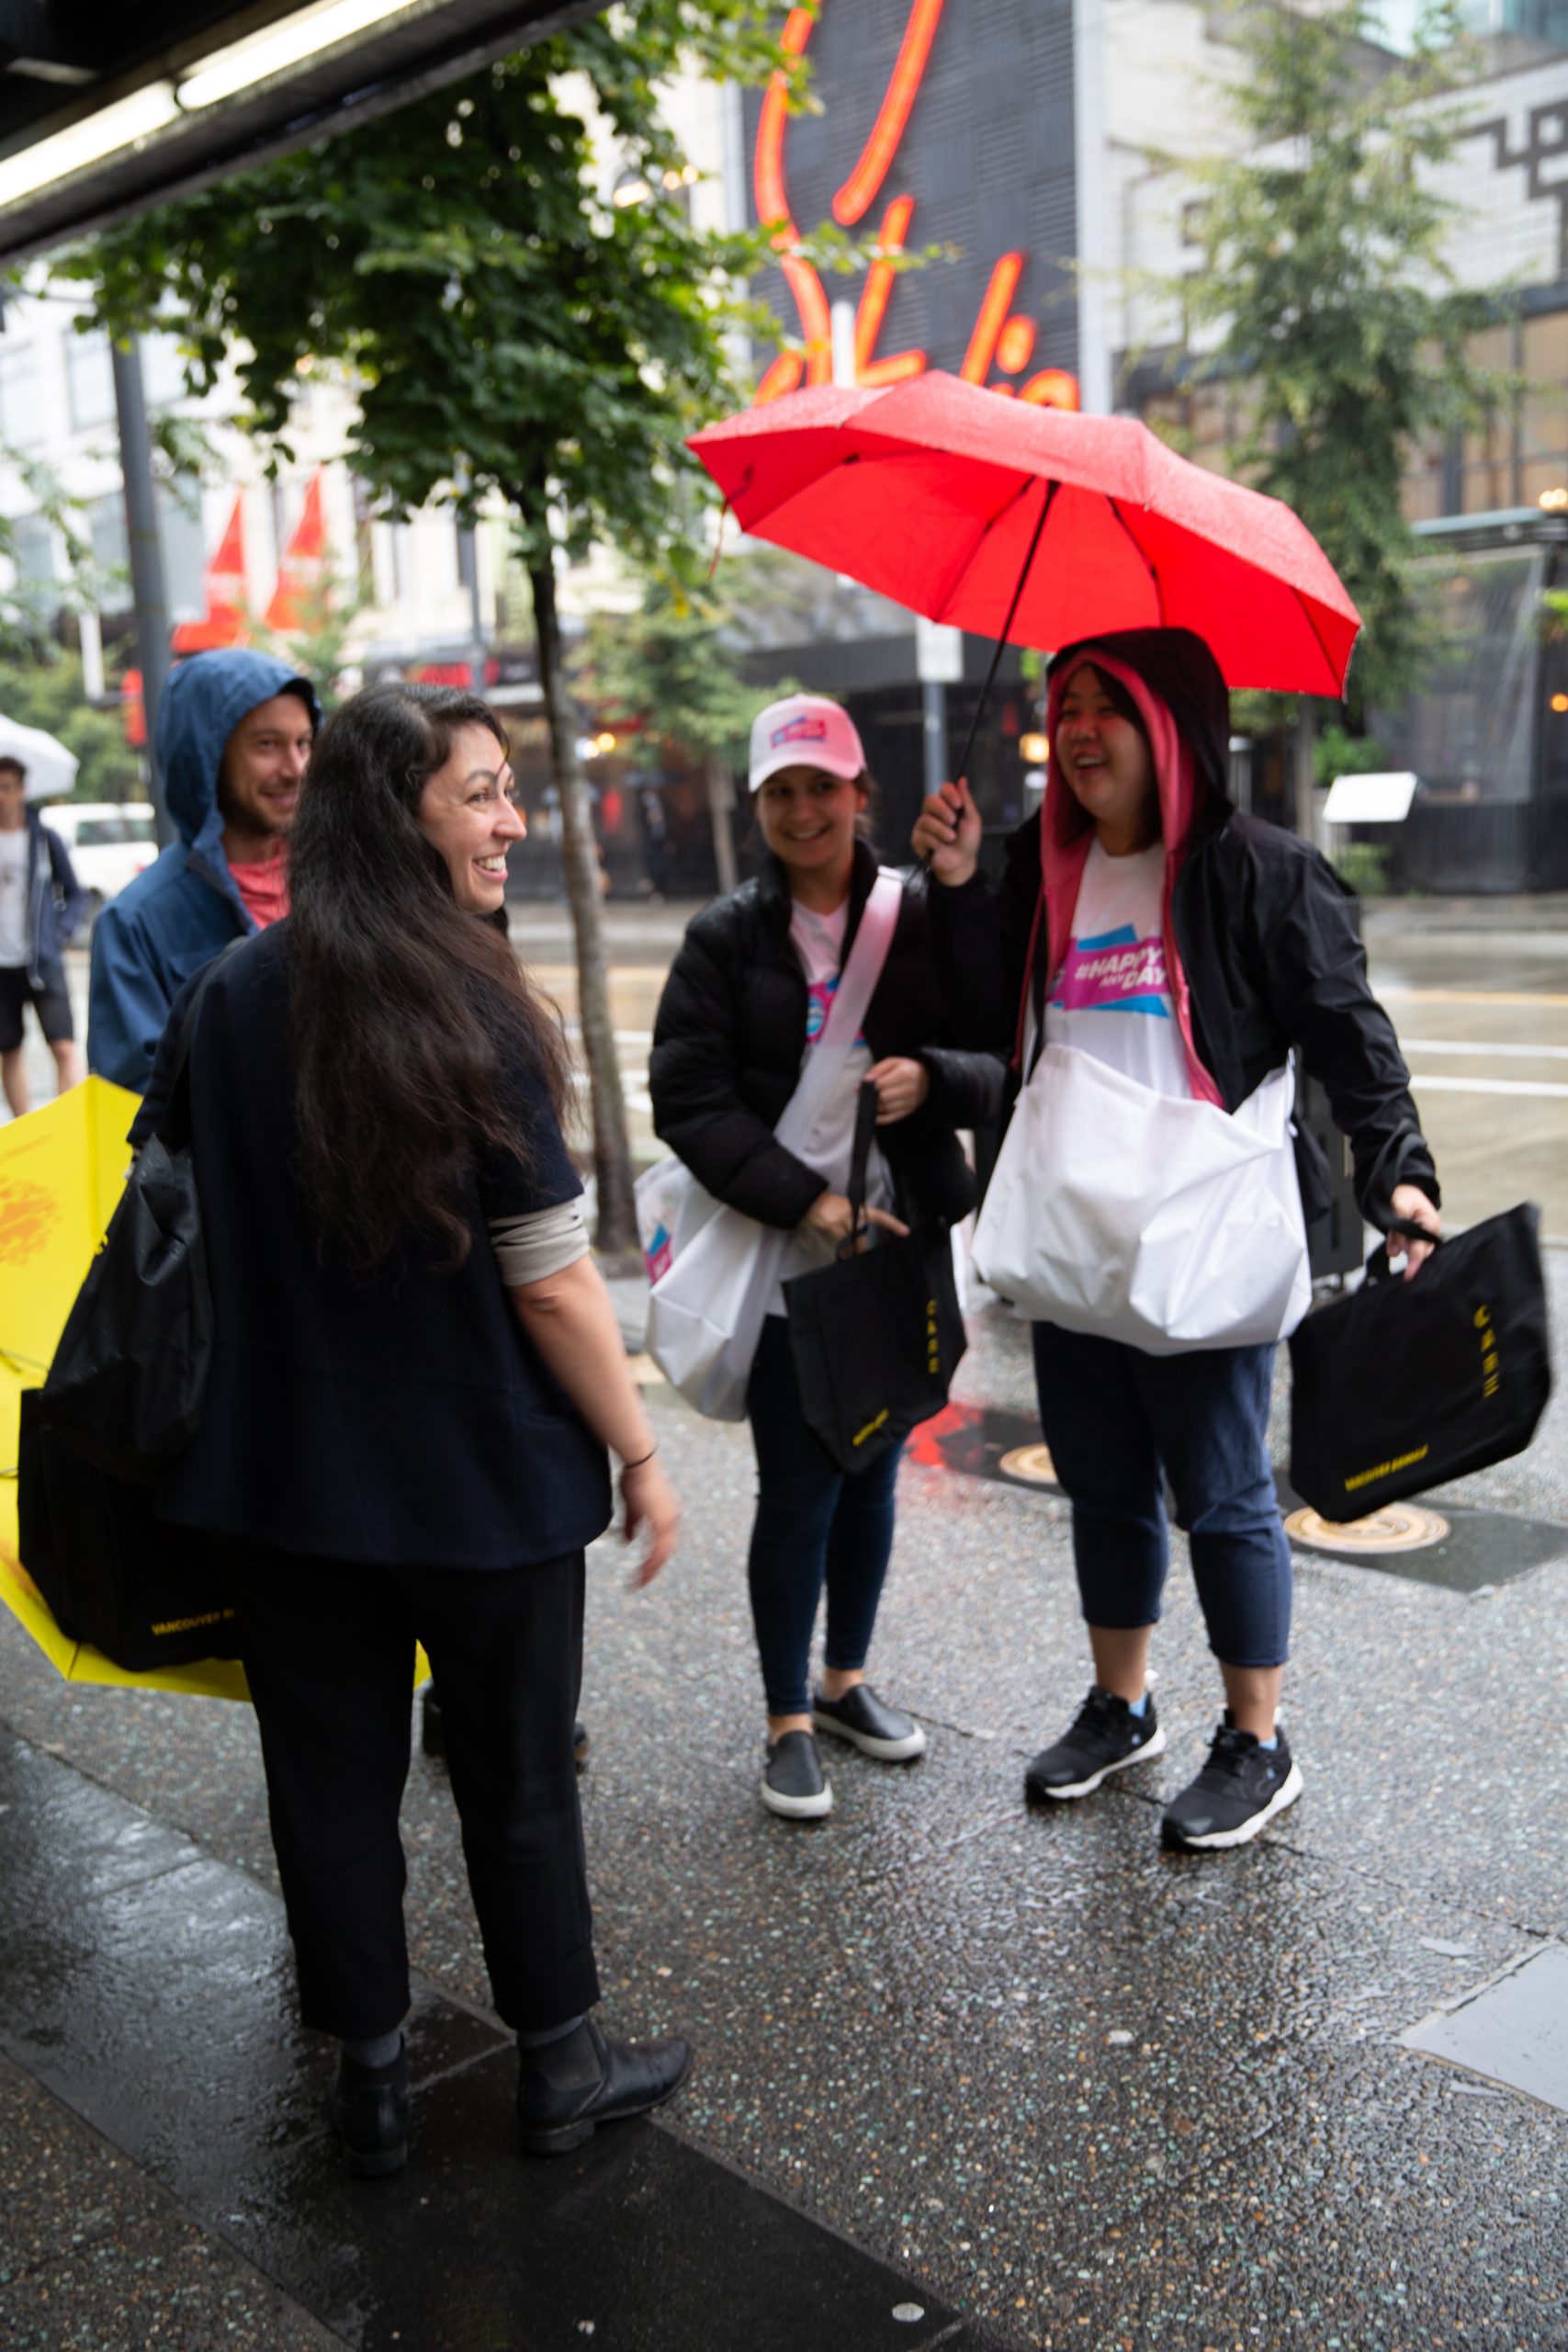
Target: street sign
column 939, row 654
column 1369, row 799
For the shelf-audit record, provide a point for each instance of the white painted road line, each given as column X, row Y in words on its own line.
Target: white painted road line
column 1434, row 1085
column 1482, row 1046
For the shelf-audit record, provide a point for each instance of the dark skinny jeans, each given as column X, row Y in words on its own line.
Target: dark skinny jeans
column 814, row 1526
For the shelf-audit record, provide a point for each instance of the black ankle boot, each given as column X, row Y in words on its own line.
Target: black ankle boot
column 370, row 2108
column 567, row 2087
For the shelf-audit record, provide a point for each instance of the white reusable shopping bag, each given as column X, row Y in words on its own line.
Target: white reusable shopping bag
column 711, row 1268
column 1166, row 1223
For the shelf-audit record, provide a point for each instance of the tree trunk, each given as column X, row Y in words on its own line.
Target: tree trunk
column 1306, row 774
column 721, row 801
column 611, row 1150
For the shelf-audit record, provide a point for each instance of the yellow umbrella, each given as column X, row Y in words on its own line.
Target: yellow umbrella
column 61, row 1173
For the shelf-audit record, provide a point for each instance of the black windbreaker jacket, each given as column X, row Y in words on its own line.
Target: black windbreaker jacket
column 727, row 1042
column 1264, row 933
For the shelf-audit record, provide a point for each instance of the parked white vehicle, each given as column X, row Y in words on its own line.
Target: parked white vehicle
column 110, row 841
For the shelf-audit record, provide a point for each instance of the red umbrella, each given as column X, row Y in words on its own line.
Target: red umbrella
column 1035, row 525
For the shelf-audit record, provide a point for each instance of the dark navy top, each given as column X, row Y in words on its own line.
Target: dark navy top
column 399, row 1418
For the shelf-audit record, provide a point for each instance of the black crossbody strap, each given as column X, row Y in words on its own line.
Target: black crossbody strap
column 859, row 1159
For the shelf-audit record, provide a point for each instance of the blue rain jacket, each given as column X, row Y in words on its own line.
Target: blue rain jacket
column 174, row 917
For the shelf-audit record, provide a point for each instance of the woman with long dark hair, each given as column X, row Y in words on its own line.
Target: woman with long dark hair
column 416, row 1377
column 1145, row 925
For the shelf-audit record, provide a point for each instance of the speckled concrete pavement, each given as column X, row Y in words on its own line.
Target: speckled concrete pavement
column 1095, row 2095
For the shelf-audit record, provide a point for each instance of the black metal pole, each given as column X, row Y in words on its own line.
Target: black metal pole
column 146, row 554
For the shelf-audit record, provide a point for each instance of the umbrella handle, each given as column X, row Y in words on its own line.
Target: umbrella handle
column 1046, row 503
column 963, row 769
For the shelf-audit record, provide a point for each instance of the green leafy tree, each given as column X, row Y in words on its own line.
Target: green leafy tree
column 507, row 328
column 1323, row 291
column 677, row 665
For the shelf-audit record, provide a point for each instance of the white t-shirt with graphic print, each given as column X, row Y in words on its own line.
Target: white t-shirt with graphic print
column 819, row 941
column 1111, row 997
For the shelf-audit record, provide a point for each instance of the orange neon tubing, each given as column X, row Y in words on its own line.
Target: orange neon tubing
column 855, row 198
column 988, row 325
column 874, row 373
column 1053, row 388
column 773, row 203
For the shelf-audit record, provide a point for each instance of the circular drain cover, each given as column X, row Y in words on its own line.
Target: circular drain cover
column 1032, row 1463
column 1397, row 1527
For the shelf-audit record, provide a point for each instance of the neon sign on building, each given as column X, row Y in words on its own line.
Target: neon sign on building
column 1001, row 339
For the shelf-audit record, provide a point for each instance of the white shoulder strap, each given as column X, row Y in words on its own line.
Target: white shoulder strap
column 857, row 982
column 846, row 1015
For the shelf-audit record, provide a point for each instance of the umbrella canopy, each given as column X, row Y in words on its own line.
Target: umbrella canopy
column 61, row 1173
column 50, row 768
column 1037, row 525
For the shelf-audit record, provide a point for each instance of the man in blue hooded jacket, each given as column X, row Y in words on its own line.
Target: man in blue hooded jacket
column 233, row 738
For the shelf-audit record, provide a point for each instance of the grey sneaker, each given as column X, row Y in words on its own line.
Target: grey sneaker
column 792, row 1783
column 876, row 1730
column 1106, row 1738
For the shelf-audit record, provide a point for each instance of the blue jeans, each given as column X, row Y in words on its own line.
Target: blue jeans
column 813, row 1526
column 1112, row 1418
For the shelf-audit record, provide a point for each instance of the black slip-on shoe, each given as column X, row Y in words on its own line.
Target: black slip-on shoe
column 1105, row 1737
column 566, row 2090
column 861, row 1717
column 1240, row 1789
column 794, row 1784
column 370, row 2106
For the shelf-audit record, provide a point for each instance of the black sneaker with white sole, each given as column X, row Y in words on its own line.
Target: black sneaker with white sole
column 1106, row 1738
column 861, row 1717
column 793, row 1782
column 1241, row 1787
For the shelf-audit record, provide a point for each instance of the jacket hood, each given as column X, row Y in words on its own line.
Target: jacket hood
column 202, row 704
column 1175, row 666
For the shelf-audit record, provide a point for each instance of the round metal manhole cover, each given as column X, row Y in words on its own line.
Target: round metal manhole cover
column 1397, row 1527
column 1032, row 1463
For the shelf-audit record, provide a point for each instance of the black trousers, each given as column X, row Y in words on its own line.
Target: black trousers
column 328, row 1654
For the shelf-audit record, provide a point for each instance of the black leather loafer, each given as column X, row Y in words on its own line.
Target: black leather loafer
column 370, row 2108
column 567, row 2088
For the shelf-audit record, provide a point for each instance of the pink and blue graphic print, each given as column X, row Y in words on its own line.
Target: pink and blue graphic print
column 1115, row 972
column 819, row 998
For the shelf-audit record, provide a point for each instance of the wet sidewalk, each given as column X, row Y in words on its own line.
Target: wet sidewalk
column 1022, row 2074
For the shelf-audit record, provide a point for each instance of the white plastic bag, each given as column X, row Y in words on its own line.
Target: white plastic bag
column 712, row 1269
column 1133, row 1216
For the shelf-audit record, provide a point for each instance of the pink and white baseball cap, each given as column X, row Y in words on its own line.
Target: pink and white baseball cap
column 804, row 732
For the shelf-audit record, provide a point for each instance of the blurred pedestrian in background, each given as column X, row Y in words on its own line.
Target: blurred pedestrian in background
column 417, row 1373
column 234, row 735
column 43, row 907
column 748, row 996
column 1145, row 922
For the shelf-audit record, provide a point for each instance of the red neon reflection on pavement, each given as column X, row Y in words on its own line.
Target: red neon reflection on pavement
column 855, row 196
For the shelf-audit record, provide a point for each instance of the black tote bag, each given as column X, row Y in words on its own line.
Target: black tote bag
column 147, row 1594
column 1404, row 1385
column 129, row 1376
column 877, row 1335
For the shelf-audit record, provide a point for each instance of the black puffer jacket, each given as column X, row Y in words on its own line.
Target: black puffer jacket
column 1272, row 961
column 728, row 1040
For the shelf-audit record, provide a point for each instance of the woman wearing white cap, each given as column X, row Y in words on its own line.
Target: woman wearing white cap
column 748, row 996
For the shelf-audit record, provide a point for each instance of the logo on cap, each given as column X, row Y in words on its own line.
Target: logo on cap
column 805, row 729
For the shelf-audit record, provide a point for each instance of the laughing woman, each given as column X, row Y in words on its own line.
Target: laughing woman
column 416, row 1380
column 747, row 998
